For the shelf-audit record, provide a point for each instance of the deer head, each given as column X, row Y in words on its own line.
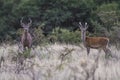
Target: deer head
column 83, row 29
column 26, row 25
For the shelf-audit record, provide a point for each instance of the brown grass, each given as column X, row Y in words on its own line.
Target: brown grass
column 48, row 65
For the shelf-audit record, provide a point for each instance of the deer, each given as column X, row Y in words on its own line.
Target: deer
column 94, row 42
column 26, row 38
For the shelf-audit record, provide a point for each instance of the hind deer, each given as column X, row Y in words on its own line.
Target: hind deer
column 94, row 42
column 26, row 38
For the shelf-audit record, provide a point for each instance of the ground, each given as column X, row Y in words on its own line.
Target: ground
column 50, row 62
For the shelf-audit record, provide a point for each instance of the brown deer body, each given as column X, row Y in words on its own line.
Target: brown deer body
column 26, row 38
column 93, row 42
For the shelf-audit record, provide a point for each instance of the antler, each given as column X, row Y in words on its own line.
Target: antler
column 30, row 21
column 85, row 23
column 21, row 21
column 86, row 26
column 83, row 26
column 80, row 25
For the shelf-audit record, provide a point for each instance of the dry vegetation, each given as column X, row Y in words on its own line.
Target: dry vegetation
column 59, row 62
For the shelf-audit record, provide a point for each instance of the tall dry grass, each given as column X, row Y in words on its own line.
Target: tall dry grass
column 59, row 62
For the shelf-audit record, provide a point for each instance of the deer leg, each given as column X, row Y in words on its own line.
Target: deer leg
column 88, row 50
column 23, row 48
column 107, row 52
column 99, row 50
column 30, row 46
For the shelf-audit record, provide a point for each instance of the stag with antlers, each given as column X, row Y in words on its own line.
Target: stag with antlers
column 94, row 42
column 26, row 38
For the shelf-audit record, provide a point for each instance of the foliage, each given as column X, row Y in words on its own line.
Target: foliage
column 66, row 36
column 99, row 29
column 108, row 14
column 115, row 36
column 53, row 12
column 38, row 36
column 102, row 17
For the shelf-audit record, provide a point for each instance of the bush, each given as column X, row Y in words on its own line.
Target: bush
column 38, row 36
column 65, row 36
column 115, row 37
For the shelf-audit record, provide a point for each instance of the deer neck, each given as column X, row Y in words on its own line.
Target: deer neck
column 83, row 38
column 26, row 34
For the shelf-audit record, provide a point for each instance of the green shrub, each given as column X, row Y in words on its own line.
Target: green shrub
column 115, row 36
column 38, row 36
column 66, row 36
